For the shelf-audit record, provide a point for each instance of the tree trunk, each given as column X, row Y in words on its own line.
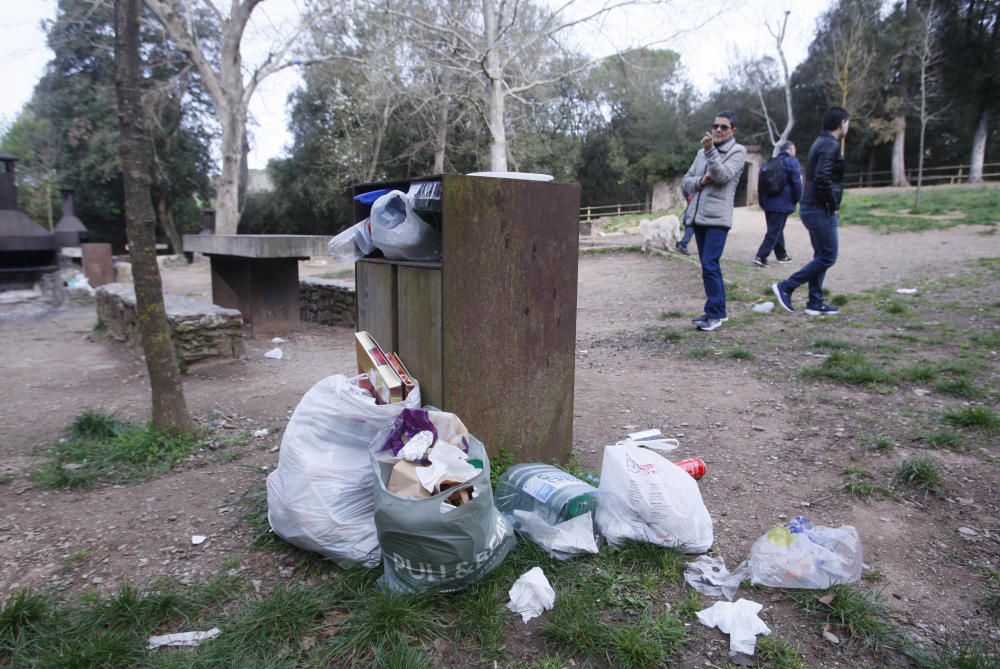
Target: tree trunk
column 170, row 412
column 899, row 151
column 495, row 93
column 979, row 147
column 441, row 132
column 227, row 209
column 167, row 221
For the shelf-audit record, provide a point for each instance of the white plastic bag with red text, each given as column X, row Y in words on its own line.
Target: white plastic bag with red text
column 645, row 497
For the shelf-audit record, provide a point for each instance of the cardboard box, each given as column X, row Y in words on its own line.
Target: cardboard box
column 387, row 385
column 404, row 375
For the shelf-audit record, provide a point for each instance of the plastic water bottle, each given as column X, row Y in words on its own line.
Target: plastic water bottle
column 555, row 495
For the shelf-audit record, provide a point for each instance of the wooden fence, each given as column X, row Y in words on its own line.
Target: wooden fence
column 592, row 213
column 933, row 176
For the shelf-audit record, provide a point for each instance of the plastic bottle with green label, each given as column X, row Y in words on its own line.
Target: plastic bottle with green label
column 553, row 494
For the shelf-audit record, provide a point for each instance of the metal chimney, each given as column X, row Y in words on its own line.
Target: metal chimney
column 70, row 231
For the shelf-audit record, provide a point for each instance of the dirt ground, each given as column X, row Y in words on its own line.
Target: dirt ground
column 775, row 445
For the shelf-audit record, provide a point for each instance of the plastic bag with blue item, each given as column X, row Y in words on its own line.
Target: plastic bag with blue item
column 798, row 554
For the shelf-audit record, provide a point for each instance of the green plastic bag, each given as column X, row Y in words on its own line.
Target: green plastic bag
column 426, row 549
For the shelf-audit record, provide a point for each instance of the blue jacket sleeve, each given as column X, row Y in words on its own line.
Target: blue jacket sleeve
column 794, row 172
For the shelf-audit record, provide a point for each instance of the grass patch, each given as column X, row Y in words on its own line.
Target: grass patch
column 102, row 448
column 740, row 353
column 882, row 443
column 919, row 372
column 700, row 352
column 861, row 483
column 921, row 474
column 990, row 340
column 667, row 315
column 777, row 653
column 947, row 440
column 850, row 367
column 991, row 595
column 857, row 613
column 6, row 477
column 831, row 344
column 670, row 336
column 345, row 273
column 958, row 388
column 737, row 293
column 939, row 209
column 895, row 307
column 607, row 250
column 839, row 300
column 980, row 418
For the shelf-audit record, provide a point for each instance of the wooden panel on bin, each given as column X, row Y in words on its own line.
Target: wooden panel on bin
column 375, row 284
column 419, row 329
column 509, row 282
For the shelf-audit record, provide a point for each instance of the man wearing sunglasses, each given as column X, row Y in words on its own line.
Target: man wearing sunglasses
column 712, row 178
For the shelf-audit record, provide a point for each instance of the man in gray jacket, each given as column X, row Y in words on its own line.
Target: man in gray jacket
column 712, row 178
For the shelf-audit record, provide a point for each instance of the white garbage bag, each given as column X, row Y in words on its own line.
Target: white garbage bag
column 399, row 232
column 645, row 497
column 798, row 554
column 321, row 496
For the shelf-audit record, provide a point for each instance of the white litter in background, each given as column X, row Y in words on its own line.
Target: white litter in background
column 763, row 307
column 197, row 539
column 709, row 576
column 739, row 620
column 261, row 432
column 906, row 291
column 531, row 595
column 652, row 439
column 181, row 638
column 275, row 354
column 277, row 340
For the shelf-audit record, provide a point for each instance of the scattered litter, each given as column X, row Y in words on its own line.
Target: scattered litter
column 921, row 392
column 261, row 432
column 830, row 636
column 763, row 308
column 275, row 354
column 652, row 439
column 181, row 638
column 739, row 620
column 197, row 539
column 817, row 355
column 277, row 340
column 906, row 291
column 531, row 595
column 709, row 576
column 546, row 505
column 968, row 532
column 645, row 497
column 798, row 554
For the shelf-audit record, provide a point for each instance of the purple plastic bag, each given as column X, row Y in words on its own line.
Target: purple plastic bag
column 408, row 423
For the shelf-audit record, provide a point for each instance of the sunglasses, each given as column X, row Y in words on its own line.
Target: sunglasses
column 719, row 126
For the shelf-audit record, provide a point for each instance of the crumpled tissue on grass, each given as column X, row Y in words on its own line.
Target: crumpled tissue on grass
column 531, row 595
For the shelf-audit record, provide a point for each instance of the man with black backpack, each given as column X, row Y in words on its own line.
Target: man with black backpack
column 779, row 188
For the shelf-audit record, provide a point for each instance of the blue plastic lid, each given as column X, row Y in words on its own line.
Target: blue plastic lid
column 371, row 196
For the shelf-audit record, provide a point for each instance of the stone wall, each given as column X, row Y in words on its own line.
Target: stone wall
column 328, row 302
column 199, row 330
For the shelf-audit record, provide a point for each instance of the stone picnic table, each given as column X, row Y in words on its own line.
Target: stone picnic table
column 259, row 275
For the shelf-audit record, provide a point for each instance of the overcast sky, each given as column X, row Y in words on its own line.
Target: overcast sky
column 705, row 52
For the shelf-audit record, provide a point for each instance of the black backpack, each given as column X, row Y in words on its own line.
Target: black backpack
column 771, row 180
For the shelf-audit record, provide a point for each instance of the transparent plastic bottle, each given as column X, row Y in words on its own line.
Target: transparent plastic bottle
column 555, row 495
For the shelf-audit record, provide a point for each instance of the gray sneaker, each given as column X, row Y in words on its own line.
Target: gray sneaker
column 710, row 324
column 760, row 262
column 822, row 310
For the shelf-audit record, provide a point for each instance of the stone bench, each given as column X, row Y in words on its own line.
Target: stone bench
column 199, row 330
column 328, row 302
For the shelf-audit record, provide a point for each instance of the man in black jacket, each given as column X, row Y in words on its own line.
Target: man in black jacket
column 818, row 211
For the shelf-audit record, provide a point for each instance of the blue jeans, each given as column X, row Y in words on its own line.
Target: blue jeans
column 711, row 243
column 822, row 229
column 688, row 234
column 774, row 240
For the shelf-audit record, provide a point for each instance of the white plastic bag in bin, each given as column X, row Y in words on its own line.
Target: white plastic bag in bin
column 399, row 232
column 352, row 244
column 321, row 496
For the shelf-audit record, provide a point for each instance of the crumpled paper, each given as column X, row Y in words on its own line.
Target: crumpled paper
column 709, row 576
column 531, row 594
column 181, row 638
column 446, row 460
column 739, row 620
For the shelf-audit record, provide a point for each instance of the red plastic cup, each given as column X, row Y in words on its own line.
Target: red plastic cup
column 693, row 466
